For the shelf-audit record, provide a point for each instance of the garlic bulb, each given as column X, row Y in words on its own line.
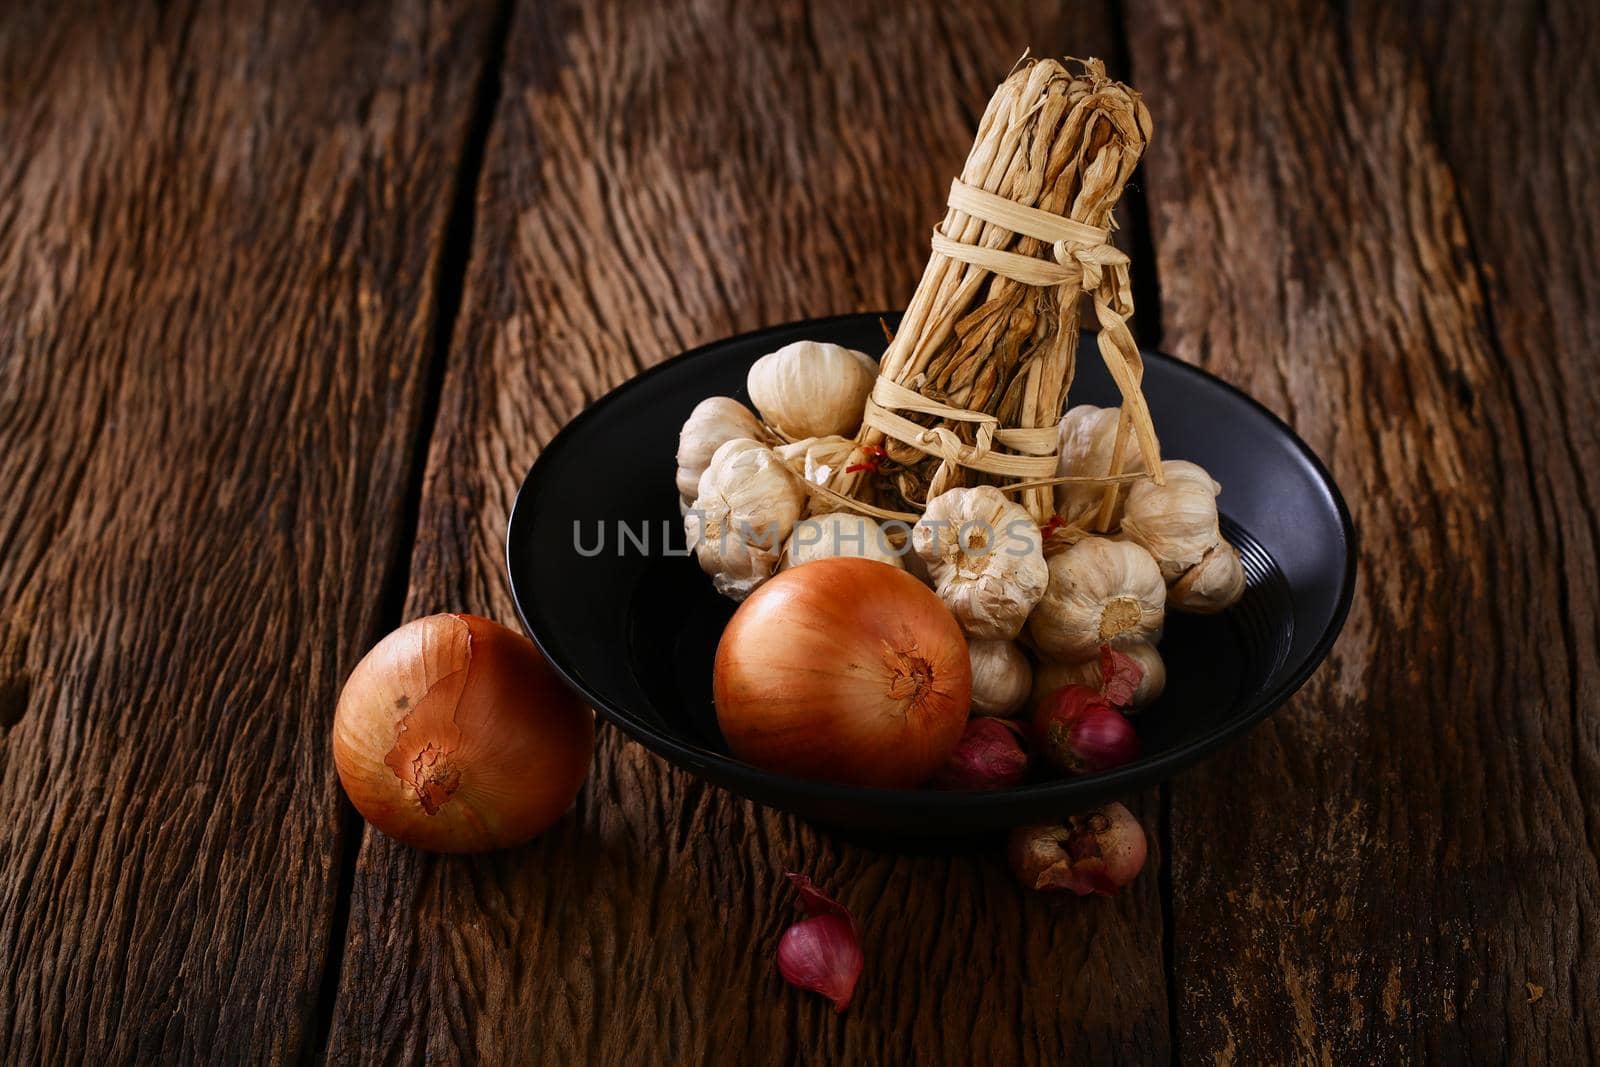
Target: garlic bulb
column 1001, row 677
column 812, row 388
column 820, row 460
column 838, row 533
column 986, row 558
column 747, row 506
column 1101, row 593
column 1087, row 435
column 1050, row 675
column 1214, row 584
column 713, row 423
column 1177, row 524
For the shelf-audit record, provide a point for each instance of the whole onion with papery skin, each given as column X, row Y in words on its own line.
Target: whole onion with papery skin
column 454, row 735
column 1099, row 851
column 844, row 670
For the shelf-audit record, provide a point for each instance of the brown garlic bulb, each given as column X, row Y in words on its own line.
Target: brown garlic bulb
column 1101, row 592
column 1214, row 584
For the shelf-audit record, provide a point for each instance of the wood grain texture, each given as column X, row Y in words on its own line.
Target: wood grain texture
column 219, row 230
column 1392, row 254
column 659, row 176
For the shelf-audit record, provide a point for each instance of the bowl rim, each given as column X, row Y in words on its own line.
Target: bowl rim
column 750, row 780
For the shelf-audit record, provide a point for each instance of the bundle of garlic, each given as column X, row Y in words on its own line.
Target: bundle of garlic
column 1177, row 524
column 977, row 373
column 986, row 558
column 959, row 440
column 745, row 509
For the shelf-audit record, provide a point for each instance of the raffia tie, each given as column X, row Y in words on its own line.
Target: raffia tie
column 1082, row 258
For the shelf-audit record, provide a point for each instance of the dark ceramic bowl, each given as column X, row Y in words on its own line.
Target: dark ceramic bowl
column 634, row 627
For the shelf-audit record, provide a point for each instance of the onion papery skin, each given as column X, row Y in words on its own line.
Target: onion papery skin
column 454, row 735
column 844, row 670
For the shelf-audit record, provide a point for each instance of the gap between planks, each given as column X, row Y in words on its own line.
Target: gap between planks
column 449, row 284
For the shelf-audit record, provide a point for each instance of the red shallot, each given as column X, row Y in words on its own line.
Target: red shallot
column 822, row 952
column 1079, row 732
column 988, row 756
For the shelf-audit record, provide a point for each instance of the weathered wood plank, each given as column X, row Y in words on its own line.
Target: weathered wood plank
column 660, row 176
column 1388, row 870
column 219, row 228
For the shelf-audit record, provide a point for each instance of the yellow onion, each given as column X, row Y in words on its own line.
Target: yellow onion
column 454, row 735
column 847, row 670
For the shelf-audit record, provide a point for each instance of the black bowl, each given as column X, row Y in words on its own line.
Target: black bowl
column 632, row 623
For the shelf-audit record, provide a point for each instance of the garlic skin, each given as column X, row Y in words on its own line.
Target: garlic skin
column 1214, row 584
column 986, row 558
column 837, row 533
column 1087, row 437
column 1177, row 524
column 812, row 388
column 1001, row 677
column 747, row 506
column 1051, row 675
column 820, row 460
column 1101, row 592
column 713, row 423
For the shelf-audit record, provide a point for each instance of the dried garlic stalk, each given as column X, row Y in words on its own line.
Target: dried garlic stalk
column 992, row 329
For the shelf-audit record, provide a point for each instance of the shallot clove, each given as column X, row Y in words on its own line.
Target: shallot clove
column 1120, row 675
column 1099, row 851
column 1079, row 732
column 989, row 756
column 822, row 952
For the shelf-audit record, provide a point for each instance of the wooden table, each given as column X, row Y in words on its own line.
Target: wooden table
column 291, row 295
